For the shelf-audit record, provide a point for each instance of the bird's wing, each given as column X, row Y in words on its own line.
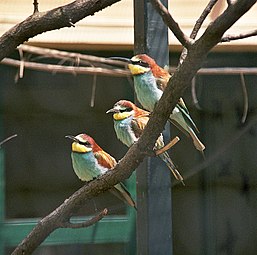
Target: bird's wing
column 183, row 109
column 162, row 77
column 138, row 124
column 182, row 104
column 105, row 159
column 161, row 82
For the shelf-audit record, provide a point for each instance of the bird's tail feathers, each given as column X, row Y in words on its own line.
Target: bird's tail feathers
column 166, row 158
column 187, row 130
column 120, row 191
column 197, row 143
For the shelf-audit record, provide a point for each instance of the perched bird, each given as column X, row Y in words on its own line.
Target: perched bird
column 129, row 123
column 89, row 161
column 150, row 80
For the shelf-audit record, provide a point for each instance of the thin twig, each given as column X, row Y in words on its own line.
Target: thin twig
column 67, row 69
column 35, row 3
column 8, row 139
column 245, row 97
column 171, row 23
column 197, row 26
column 194, row 96
column 21, row 70
column 202, row 18
column 92, row 101
column 167, row 146
column 87, row 223
column 52, row 53
column 121, row 72
column 228, row 38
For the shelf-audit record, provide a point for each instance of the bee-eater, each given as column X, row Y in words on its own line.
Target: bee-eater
column 129, row 123
column 89, row 161
column 150, row 80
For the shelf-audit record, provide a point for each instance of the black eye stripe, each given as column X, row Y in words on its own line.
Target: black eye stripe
column 85, row 143
column 140, row 62
column 126, row 109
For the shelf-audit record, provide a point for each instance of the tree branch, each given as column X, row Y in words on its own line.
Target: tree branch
column 87, row 223
column 245, row 98
column 65, row 69
column 35, row 3
column 171, row 23
column 198, row 25
column 202, row 18
column 167, row 146
column 214, row 32
column 71, row 56
column 57, row 18
column 228, row 38
column 7, row 139
column 180, row 80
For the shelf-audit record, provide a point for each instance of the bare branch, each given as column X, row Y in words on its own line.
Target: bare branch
column 202, row 18
column 167, row 146
column 245, row 97
column 7, row 139
column 66, row 69
column 218, row 27
column 92, row 101
column 87, row 59
column 56, row 18
column 228, row 38
column 171, row 23
column 87, row 223
column 197, row 26
column 35, row 3
column 194, row 96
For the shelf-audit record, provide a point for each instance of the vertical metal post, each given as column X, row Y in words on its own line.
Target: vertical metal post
column 154, row 218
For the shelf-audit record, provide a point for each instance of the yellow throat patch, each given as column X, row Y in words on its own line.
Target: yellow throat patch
column 137, row 69
column 76, row 147
column 121, row 115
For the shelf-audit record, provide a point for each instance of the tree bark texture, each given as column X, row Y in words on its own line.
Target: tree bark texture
column 197, row 51
column 40, row 22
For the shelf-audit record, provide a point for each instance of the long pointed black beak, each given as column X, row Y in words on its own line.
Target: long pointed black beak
column 113, row 110
column 127, row 60
column 73, row 138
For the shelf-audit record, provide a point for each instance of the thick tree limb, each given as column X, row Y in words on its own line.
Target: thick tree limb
column 171, row 23
column 39, row 22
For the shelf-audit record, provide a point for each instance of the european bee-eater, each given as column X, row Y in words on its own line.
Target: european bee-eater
column 129, row 123
column 150, row 80
column 89, row 161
